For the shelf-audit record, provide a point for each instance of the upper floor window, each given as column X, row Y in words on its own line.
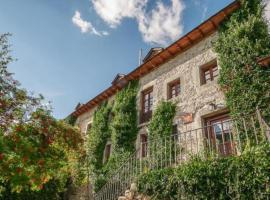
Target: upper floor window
column 174, row 89
column 147, row 105
column 209, row 72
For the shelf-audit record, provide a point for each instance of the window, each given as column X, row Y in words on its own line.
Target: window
column 174, row 89
column 175, row 132
column 147, row 105
column 219, row 132
column 107, row 152
column 143, row 140
column 174, row 129
column 88, row 128
column 209, row 72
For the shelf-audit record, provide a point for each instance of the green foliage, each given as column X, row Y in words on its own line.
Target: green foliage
column 35, row 148
column 71, row 120
column 53, row 190
column 243, row 39
column 99, row 135
column 240, row 177
column 124, row 122
column 112, row 165
column 162, row 121
column 118, row 123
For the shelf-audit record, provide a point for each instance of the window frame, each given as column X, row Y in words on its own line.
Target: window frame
column 172, row 84
column 107, row 153
column 226, row 147
column 144, row 145
column 146, row 115
column 211, row 67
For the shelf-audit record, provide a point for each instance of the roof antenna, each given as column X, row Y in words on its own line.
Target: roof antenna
column 140, row 56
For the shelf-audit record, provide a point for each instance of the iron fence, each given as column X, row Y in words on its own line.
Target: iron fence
column 226, row 138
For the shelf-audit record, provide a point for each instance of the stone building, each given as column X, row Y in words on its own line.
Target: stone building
column 186, row 72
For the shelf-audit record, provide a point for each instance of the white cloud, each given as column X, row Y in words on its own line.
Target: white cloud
column 85, row 26
column 205, row 10
column 161, row 25
column 114, row 11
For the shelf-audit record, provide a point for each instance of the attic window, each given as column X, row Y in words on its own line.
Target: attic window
column 152, row 53
column 118, row 78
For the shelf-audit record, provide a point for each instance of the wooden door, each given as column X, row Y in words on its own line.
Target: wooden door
column 219, row 129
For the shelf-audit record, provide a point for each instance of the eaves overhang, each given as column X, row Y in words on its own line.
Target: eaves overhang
column 192, row 38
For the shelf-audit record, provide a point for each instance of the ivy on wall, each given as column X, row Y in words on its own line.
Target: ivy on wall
column 98, row 135
column 243, row 39
column 117, row 122
column 161, row 123
column 124, row 122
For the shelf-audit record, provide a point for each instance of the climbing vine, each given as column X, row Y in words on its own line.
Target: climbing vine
column 162, row 122
column 98, row 135
column 118, row 122
column 124, row 122
column 243, row 39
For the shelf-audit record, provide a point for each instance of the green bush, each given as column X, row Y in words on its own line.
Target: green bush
column 243, row 39
column 161, row 123
column 98, row 135
column 240, row 177
column 53, row 190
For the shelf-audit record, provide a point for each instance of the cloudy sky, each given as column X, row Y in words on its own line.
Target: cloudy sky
column 70, row 50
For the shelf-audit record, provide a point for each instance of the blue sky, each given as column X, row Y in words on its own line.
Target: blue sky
column 70, row 50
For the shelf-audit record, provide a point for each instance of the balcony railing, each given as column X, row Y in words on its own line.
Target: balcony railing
column 179, row 148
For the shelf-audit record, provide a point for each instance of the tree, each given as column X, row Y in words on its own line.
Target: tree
column 35, row 148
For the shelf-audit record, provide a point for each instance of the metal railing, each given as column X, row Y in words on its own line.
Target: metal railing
column 226, row 138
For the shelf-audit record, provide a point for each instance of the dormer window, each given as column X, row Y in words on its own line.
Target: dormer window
column 119, row 80
column 209, row 72
column 153, row 52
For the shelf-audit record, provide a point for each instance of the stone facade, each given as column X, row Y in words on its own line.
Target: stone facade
column 196, row 100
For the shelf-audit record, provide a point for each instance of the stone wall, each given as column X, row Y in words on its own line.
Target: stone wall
column 194, row 98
